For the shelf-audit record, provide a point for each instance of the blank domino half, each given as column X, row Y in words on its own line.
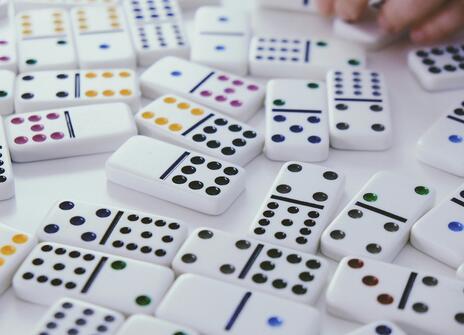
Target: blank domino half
column 377, row 222
column 366, row 290
column 359, row 110
column 146, row 325
column 186, row 123
column 7, row 84
column 300, row 6
column 439, row 67
column 71, row 316
column 124, row 232
column 75, row 131
column 53, row 271
column 56, row 89
column 44, row 40
column 7, row 183
column 378, row 328
column 175, row 174
column 215, row 307
column 221, row 39
column 298, row 207
column 157, row 30
column 224, row 92
column 297, row 57
column 297, row 126
column 440, row 232
column 15, row 245
column 102, row 37
column 442, row 145
column 365, row 31
column 255, row 265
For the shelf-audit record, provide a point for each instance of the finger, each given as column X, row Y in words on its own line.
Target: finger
column 444, row 23
column 325, row 7
column 350, row 10
column 397, row 15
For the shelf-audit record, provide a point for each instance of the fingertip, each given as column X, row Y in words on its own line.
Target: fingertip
column 418, row 36
column 325, row 7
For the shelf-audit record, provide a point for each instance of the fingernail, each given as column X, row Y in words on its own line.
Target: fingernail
column 417, row 36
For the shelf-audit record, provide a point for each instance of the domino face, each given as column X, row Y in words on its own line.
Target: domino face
column 359, row 110
column 7, row 50
column 65, row 4
column 297, row 126
column 224, row 92
column 440, row 232
column 14, row 247
column 127, row 233
column 221, row 39
column 74, row 131
column 186, row 123
column 365, row 31
column 55, row 89
column 172, row 173
column 438, row 67
column 7, row 83
column 7, row 183
column 376, row 223
column 215, row 307
column 301, row 6
column 367, row 290
column 296, row 57
column 102, row 37
column 298, row 207
column 157, row 30
column 258, row 266
column 188, row 4
column 53, row 271
column 147, row 325
column 4, row 8
column 70, row 316
column 379, row 328
column 44, row 40
column 442, row 145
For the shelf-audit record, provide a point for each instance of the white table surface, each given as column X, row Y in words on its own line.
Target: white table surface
column 40, row 184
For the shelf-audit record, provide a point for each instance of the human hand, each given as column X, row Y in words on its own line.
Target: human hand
column 428, row 20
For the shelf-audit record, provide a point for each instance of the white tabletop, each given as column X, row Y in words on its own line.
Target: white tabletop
column 39, row 185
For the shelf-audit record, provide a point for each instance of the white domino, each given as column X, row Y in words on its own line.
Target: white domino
column 224, row 92
column 366, row 290
column 215, row 307
column 102, row 37
column 7, row 183
column 147, row 325
column 376, row 223
column 71, row 316
column 124, row 232
column 45, row 40
column 255, row 265
column 74, row 131
column 439, row 67
column 175, row 174
column 157, row 30
column 365, row 31
column 7, row 85
column 53, row 271
column 65, row 4
column 15, row 245
column 221, row 39
column 189, row 4
column 4, row 5
column 359, row 110
column 440, row 232
column 300, row 204
column 56, row 89
column 189, row 124
column 299, row 57
column 442, row 145
column 297, row 125
column 378, row 328
column 300, row 6
column 7, row 49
